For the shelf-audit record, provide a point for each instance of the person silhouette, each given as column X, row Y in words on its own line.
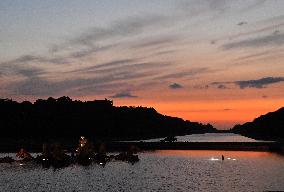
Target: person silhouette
column 223, row 158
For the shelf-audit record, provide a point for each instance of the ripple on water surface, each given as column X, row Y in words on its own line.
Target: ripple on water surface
column 165, row 170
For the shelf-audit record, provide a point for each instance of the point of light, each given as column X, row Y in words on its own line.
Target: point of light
column 21, row 164
column 229, row 158
column 213, row 159
column 234, row 159
column 101, row 163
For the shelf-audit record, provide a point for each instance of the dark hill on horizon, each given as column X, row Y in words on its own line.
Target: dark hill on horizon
column 63, row 119
column 266, row 127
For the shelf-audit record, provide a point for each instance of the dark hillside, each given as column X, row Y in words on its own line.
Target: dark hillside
column 265, row 127
column 64, row 119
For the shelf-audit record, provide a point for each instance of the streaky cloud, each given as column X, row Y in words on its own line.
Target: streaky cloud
column 157, row 41
column 254, row 55
column 33, row 86
column 123, row 95
column 100, row 83
column 120, row 28
column 197, row 7
column 201, row 87
column 109, row 64
column 124, row 67
column 242, row 23
column 264, row 41
column 175, row 86
column 221, row 86
column 28, row 59
column 259, row 83
column 266, row 29
column 166, row 52
column 255, row 4
column 19, row 69
column 189, row 73
column 255, row 83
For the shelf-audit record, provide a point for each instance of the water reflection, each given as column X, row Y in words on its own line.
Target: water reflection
column 215, row 153
column 210, row 137
column 214, row 159
column 169, row 170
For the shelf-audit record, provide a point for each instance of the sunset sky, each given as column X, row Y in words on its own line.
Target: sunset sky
column 212, row 61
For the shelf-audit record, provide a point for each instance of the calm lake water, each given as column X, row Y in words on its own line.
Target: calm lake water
column 210, row 137
column 167, row 170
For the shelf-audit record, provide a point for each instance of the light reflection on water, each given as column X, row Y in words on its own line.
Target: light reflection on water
column 216, row 153
column 167, row 170
column 209, row 137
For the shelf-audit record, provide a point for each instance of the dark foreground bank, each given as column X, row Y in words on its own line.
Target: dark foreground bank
column 85, row 154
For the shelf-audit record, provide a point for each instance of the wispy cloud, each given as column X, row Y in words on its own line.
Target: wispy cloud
column 266, row 28
column 196, row 7
column 217, row 7
column 201, row 87
column 99, row 80
column 127, row 69
column 28, row 59
column 254, row 4
column 184, row 74
column 221, row 86
column 242, row 23
column 264, row 41
column 166, row 52
column 110, row 64
column 16, row 68
column 124, row 27
column 114, row 34
column 157, row 41
column 34, row 86
column 257, row 83
column 254, row 55
column 124, row 95
column 96, row 39
column 175, row 86
column 143, row 34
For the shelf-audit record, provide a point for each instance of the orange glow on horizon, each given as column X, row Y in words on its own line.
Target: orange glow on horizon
column 222, row 114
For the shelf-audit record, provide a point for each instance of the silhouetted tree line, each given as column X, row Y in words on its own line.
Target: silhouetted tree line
column 64, row 119
column 265, row 127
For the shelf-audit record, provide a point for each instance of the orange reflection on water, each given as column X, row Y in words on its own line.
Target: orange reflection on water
column 214, row 153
